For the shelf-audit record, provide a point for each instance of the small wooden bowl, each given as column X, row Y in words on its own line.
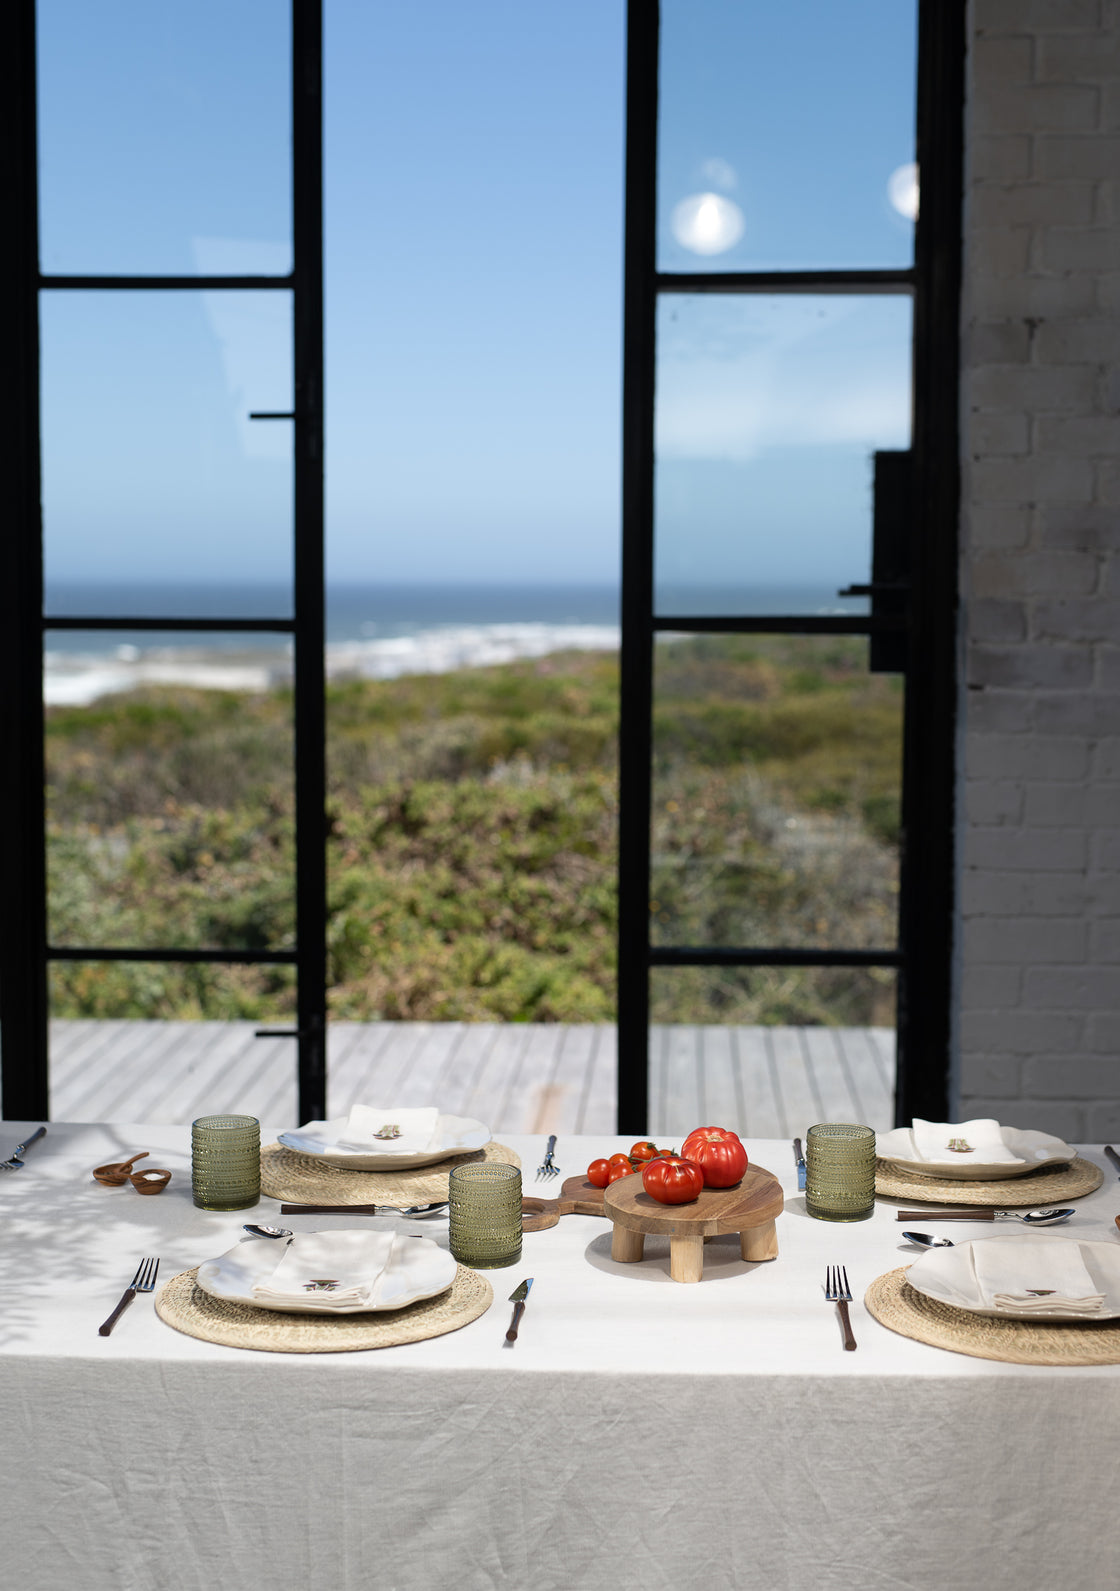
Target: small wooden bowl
column 150, row 1181
column 117, row 1172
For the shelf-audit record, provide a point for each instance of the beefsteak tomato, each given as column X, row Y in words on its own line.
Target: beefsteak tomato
column 672, row 1181
column 718, row 1153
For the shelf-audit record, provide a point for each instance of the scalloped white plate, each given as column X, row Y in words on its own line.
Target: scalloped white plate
column 946, row 1274
column 457, row 1135
column 418, row 1268
column 1036, row 1149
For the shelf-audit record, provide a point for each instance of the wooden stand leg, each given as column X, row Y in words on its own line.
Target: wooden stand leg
column 759, row 1242
column 686, row 1258
column 627, row 1246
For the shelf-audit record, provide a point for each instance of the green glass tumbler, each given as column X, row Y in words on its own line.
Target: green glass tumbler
column 226, row 1162
column 484, row 1219
column 840, row 1171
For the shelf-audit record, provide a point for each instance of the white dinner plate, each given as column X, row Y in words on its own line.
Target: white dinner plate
column 418, row 1268
column 455, row 1136
column 1036, row 1150
column 947, row 1275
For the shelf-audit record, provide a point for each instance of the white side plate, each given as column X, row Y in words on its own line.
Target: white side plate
column 1035, row 1149
column 418, row 1269
column 947, row 1275
column 456, row 1135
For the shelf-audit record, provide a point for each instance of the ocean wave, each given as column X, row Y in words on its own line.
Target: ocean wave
column 76, row 679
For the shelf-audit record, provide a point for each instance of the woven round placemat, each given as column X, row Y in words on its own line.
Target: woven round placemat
column 899, row 1307
column 184, row 1305
column 1047, row 1186
column 302, row 1179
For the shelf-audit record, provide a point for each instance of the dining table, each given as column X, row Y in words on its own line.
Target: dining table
column 640, row 1431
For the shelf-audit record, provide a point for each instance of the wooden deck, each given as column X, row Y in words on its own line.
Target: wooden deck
column 519, row 1078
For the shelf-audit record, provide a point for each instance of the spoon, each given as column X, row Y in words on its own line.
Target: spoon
column 912, row 1237
column 1031, row 1217
column 277, row 1231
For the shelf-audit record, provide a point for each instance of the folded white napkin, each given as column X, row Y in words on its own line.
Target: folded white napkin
column 983, row 1137
column 1010, row 1274
column 352, row 1263
column 419, row 1129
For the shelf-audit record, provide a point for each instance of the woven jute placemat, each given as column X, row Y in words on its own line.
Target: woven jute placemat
column 184, row 1305
column 1047, row 1186
column 302, row 1179
column 899, row 1307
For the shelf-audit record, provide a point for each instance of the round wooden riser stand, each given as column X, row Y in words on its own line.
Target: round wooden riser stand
column 750, row 1209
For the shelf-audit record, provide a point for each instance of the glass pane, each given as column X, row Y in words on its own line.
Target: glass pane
column 169, row 797
column 786, row 135
column 165, row 137
column 156, row 1042
column 153, row 474
column 777, row 767
column 768, row 1051
column 768, row 413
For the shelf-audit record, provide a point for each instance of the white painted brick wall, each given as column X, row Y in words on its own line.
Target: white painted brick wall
column 1039, row 938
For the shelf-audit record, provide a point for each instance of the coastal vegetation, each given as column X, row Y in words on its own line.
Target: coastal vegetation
column 472, row 838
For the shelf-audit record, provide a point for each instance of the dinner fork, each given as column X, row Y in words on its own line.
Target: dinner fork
column 143, row 1282
column 13, row 1162
column 839, row 1293
column 548, row 1167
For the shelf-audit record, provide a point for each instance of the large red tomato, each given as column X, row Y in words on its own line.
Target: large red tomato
column 672, row 1181
column 718, row 1153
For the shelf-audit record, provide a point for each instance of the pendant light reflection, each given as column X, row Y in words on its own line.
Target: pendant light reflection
column 707, row 223
column 902, row 191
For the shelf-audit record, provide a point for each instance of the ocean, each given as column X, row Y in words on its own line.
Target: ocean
column 373, row 631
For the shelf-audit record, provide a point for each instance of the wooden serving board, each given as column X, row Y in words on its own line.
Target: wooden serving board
column 750, row 1208
column 577, row 1197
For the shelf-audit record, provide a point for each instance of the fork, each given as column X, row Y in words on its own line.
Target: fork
column 13, row 1162
column 548, row 1167
column 143, row 1282
column 839, row 1293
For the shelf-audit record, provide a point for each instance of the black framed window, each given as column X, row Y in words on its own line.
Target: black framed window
column 745, row 312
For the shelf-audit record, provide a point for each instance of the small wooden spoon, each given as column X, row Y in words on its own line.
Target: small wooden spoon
column 117, row 1172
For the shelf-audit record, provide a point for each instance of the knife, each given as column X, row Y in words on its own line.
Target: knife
column 517, row 1299
column 1112, row 1155
column 799, row 1158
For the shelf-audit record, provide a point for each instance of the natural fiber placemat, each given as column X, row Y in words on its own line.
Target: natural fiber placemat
column 184, row 1305
column 301, row 1179
column 899, row 1307
column 1047, row 1186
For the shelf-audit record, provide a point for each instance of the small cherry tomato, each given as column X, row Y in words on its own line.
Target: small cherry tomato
column 597, row 1173
column 621, row 1160
column 643, row 1151
column 672, row 1181
column 616, row 1173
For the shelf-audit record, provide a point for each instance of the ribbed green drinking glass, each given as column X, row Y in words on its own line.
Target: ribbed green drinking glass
column 840, row 1171
column 226, row 1162
column 484, row 1219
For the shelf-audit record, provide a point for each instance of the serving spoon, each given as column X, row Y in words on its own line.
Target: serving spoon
column 923, row 1238
column 412, row 1209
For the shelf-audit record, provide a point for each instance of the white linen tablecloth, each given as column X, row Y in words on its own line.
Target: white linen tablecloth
column 709, row 1435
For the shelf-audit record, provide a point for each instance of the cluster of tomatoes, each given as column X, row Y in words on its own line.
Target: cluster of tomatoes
column 710, row 1157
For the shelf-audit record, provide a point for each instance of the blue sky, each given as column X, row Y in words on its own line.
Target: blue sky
column 473, row 179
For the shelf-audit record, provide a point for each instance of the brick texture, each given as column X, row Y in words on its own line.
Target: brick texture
column 1039, row 812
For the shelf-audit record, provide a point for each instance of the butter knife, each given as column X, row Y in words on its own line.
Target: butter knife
column 799, row 1160
column 1112, row 1155
column 517, row 1299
